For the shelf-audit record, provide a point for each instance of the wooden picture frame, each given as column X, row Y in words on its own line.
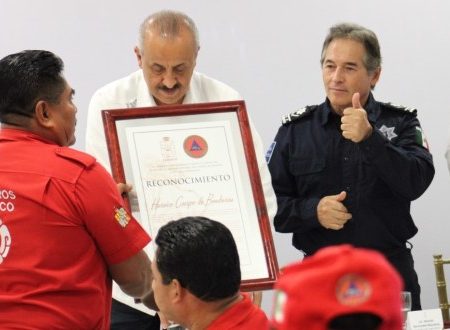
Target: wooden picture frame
column 195, row 160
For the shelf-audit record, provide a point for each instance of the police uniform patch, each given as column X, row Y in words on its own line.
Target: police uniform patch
column 286, row 119
column 421, row 138
column 353, row 290
column 388, row 132
column 122, row 216
column 401, row 108
column 270, row 151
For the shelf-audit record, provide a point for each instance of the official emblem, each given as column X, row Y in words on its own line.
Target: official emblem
column 195, row 146
column 122, row 216
column 352, row 290
column 270, row 151
column 168, row 148
column 388, row 132
column 5, row 241
column 421, row 139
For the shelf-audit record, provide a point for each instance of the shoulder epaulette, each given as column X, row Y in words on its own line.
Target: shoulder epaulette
column 397, row 107
column 303, row 112
column 72, row 154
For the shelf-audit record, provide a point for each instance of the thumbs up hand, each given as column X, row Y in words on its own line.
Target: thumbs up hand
column 331, row 212
column 354, row 123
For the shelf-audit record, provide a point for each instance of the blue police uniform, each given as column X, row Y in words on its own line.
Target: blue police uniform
column 310, row 159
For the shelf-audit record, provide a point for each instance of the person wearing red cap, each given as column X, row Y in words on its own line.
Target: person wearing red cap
column 339, row 288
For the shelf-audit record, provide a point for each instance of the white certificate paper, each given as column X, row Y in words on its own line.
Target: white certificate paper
column 187, row 169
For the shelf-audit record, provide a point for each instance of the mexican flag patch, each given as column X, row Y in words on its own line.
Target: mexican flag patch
column 421, row 138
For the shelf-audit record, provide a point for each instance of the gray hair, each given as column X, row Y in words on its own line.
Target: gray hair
column 168, row 24
column 372, row 57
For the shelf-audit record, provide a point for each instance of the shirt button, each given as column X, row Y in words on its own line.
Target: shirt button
column 345, row 158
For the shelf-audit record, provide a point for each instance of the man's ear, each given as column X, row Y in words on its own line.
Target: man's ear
column 177, row 291
column 43, row 114
column 375, row 76
column 195, row 56
column 137, row 51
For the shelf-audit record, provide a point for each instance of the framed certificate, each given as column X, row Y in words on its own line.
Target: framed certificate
column 195, row 160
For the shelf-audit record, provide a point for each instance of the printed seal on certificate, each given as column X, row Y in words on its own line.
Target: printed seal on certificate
column 195, row 146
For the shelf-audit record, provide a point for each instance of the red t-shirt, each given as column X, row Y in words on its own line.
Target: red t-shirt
column 63, row 222
column 242, row 315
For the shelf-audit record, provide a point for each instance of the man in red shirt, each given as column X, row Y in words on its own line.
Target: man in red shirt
column 64, row 231
column 197, row 275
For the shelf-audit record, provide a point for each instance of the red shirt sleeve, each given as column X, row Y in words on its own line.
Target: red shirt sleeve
column 117, row 234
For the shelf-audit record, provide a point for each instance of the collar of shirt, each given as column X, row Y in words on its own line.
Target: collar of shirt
column 11, row 134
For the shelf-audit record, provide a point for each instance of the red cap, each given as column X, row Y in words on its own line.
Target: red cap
column 336, row 281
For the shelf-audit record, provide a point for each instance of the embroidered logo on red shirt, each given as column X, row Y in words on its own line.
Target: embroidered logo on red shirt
column 5, row 241
column 122, row 217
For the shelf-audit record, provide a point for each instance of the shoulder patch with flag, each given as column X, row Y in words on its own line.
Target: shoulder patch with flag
column 421, row 138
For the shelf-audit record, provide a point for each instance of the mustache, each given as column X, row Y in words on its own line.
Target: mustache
column 167, row 89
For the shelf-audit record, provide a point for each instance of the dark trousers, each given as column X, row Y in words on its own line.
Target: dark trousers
column 124, row 317
column 403, row 261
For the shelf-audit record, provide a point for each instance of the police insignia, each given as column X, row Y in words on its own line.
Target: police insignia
column 402, row 108
column 292, row 116
column 421, row 138
column 122, row 217
column 388, row 132
column 352, row 290
column 286, row 119
column 270, row 151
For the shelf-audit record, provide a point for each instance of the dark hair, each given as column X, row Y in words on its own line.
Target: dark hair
column 202, row 255
column 372, row 57
column 26, row 78
column 357, row 321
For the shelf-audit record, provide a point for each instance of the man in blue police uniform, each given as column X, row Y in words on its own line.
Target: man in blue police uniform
column 346, row 171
